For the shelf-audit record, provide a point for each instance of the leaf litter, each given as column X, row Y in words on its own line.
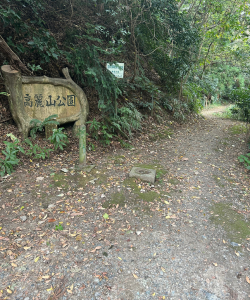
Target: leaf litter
column 93, row 236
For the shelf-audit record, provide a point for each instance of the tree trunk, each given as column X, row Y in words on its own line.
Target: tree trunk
column 14, row 60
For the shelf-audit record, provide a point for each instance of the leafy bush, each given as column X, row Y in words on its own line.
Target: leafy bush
column 245, row 159
column 58, row 138
column 128, row 119
column 100, row 131
column 26, row 31
column 11, row 160
column 36, row 151
column 241, row 97
column 90, row 71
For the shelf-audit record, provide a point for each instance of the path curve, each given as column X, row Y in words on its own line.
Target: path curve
column 190, row 243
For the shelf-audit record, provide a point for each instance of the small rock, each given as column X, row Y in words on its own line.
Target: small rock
column 103, row 196
column 60, row 195
column 27, row 298
column 94, row 180
column 138, row 232
column 23, row 218
column 235, row 244
column 64, row 170
column 39, row 178
column 52, row 205
column 96, row 280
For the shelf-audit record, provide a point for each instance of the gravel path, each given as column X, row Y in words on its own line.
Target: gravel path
column 190, row 242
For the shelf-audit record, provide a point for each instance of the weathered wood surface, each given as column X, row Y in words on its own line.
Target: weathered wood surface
column 14, row 60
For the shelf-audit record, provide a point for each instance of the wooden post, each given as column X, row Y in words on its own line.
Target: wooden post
column 13, row 83
column 82, row 145
column 49, row 130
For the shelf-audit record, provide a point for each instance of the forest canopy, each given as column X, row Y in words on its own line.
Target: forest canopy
column 175, row 52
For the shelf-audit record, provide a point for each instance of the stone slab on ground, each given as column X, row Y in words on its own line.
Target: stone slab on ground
column 87, row 168
column 143, row 174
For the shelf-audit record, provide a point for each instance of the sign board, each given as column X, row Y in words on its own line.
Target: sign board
column 43, row 100
column 117, row 69
column 33, row 97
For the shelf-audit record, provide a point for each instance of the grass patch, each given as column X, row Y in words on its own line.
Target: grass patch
column 165, row 134
column 160, row 171
column 117, row 198
column 233, row 223
column 218, row 180
column 238, row 129
column 60, row 180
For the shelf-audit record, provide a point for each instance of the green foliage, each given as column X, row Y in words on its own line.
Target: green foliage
column 245, row 159
column 12, row 149
column 38, row 125
column 36, row 151
column 59, row 227
column 58, row 138
column 11, row 160
column 127, row 119
column 165, row 36
column 193, row 96
column 106, row 216
column 241, row 97
column 100, row 131
column 34, row 67
column 90, row 70
column 27, row 31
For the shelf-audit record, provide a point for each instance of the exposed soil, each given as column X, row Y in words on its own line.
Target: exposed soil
column 185, row 237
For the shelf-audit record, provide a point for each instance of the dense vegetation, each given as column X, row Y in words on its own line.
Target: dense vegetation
column 176, row 53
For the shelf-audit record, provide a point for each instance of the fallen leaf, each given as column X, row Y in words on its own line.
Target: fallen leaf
column 36, row 259
column 163, row 269
column 215, row 264
column 51, row 220
column 119, row 258
column 96, row 248
column 247, row 280
column 46, row 276
column 13, row 265
column 136, row 277
column 48, row 290
column 77, row 214
column 9, row 291
column 238, row 254
column 105, row 216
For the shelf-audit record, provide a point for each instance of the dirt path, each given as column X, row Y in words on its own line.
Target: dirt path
column 185, row 237
column 212, row 112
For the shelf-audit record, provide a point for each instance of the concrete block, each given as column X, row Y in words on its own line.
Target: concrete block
column 143, row 174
